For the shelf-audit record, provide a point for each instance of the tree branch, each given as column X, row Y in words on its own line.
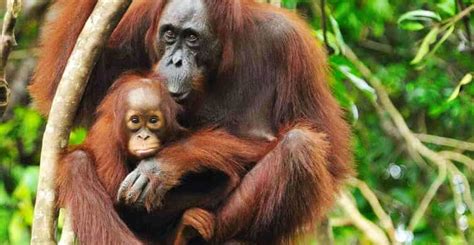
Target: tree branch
column 425, row 202
column 7, row 41
column 456, row 173
column 374, row 202
column 90, row 44
column 410, row 139
column 67, row 235
column 458, row 157
column 372, row 231
column 443, row 141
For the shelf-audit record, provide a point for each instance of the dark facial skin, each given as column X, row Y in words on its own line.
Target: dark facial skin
column 144, row 123
column 189, row 50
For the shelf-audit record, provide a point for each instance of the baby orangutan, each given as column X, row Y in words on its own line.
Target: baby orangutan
column 136, row 120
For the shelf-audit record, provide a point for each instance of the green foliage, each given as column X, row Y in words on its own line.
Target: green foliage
column 19, row 155
column 412, row 47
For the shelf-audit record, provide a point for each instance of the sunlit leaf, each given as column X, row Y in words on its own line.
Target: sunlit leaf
column 337, row 32
column 419, row 15
column 355, row 112
column 331, row 39
column 359, row 82
column 424, row 49
column 443, row 39
column 464, row 81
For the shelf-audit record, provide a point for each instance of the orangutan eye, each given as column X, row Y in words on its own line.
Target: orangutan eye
column 154, row 120
column 135, row 120
column 192, row 40
column 170, row 36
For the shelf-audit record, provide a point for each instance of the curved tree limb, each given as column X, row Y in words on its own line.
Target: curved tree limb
column 458, row 157
column 443, row 141
column 425, row 202
column 385, row 219
column 67, row 235
column 466, row 194
column 373, row 232
column 90, row 44
column 457, row 198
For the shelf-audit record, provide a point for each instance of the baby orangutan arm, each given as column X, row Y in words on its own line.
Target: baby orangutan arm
column 213, row 149
column 195, row 223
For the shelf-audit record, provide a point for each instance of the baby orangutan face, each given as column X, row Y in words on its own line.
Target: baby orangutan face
column 144, row 122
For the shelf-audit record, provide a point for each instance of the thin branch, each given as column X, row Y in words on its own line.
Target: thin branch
column 465, row 12
column 457, row 197
column 373, row 232
column 458, row 157
column 324, row 24
column 67, row 234
column 7, row 41
column 374, row 202
column 90, row 43
column 467, row 187
column 339, row 222
column 443, row 141
column 428, row 198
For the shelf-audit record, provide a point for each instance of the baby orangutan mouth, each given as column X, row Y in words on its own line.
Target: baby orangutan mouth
column 145, row 152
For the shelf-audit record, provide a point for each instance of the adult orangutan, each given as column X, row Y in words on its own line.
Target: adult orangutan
column 135, row 121
column 263, row 76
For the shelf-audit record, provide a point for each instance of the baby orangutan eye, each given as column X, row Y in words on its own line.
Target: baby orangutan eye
column 135, row 119
column 154, row 119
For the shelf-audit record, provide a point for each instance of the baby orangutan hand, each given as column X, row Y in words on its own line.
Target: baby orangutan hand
column 147, row 185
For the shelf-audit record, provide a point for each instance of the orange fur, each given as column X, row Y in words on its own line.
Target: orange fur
column 272, row 73
column 90, row 176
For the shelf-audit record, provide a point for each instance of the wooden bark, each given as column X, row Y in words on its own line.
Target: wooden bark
column 90, row 44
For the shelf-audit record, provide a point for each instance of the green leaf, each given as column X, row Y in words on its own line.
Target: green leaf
column 355, row 113
column 445, row 37
column 358, row 82
column 464, row 81
column 332, row 42
column 447, row 6
column 412, row 26
column 337, row 32
column 425, row 45
column 419, row 15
